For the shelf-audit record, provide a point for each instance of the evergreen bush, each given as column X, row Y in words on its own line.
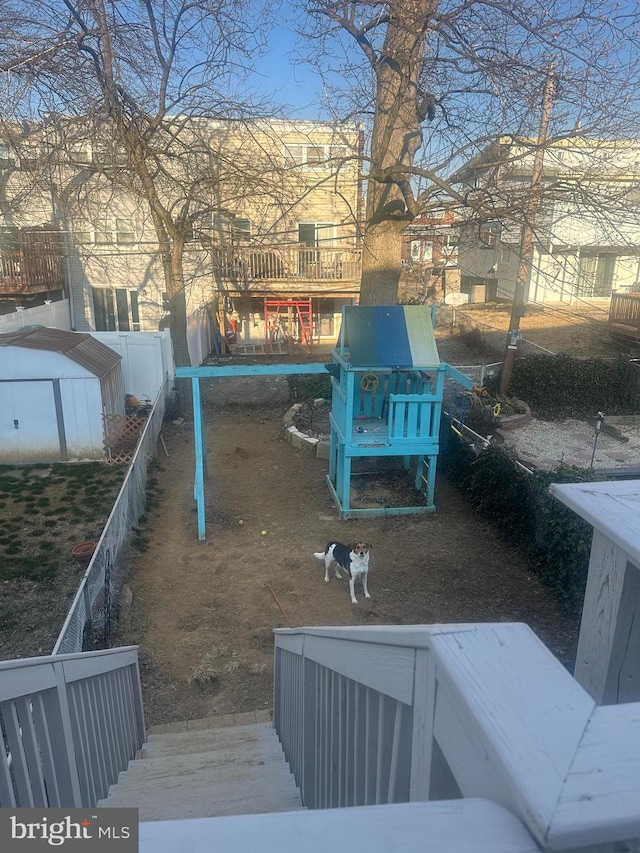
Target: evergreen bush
column 556, row 542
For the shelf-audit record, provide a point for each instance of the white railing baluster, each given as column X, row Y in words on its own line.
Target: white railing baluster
column 395, row 754
column 31, row 752
column 80, row 742
column 18, row 758
column 41, row 724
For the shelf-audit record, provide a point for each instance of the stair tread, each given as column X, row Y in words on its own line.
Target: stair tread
column 201, row 797
column 201, row 740
column 209, row 763
column 207, row 804
column 208, row 772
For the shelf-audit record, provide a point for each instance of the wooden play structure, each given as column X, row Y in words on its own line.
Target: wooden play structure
column 388, row 384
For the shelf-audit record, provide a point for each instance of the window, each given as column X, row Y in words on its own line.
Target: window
column 80, row 155
column 29, row 163
column 242, row 228
column 6, row 159
column 294, row 155
column 124, row 231
column 504, row 255
column 231, row 228
column 104, row 315
column 596, row 275
column 83, row 234
column 314, row 156
column 103, row 234
column 120, row 314
column 489, row 233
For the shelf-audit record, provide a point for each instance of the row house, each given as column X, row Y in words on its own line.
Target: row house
column 272, row 207
column 587, row 221
column 430, row 252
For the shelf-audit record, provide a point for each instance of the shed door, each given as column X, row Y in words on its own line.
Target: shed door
column 28, row 422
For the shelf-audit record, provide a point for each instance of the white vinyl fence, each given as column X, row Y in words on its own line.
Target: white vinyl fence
column 201, row 332
column 95, row 600
column 54, row 314
column 147, row 359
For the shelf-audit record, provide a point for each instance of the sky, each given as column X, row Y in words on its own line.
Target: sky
column 291, row 83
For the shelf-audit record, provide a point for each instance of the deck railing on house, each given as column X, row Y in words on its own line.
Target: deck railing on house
column 394, row 714
column 246, row 264
column 35, row 265
column 71, row 723
column 624, row 316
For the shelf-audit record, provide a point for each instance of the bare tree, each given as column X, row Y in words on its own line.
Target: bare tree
column 437, row 80
column 141, row 80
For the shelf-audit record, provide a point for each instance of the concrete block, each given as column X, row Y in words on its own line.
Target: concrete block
column 323, row 449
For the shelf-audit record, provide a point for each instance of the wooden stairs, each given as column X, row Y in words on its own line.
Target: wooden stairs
column 208, row 768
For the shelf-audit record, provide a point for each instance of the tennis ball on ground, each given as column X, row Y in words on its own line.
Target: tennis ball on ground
column 263, row 533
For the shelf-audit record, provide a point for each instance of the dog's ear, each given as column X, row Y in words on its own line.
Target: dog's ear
column 369, row 545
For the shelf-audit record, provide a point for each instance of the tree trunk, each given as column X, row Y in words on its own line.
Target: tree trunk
column 171, row 255
column 395, row 138
column 381, row 265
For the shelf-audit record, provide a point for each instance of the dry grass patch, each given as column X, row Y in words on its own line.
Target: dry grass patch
column 45, row 510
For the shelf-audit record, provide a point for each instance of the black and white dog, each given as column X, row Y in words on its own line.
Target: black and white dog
column 353, row 560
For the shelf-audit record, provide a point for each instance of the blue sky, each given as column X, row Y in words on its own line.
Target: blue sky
column 291, row 83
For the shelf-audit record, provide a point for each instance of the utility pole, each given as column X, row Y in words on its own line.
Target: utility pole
column 526, row 239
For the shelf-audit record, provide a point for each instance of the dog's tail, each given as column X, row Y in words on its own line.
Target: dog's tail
column 319, row 555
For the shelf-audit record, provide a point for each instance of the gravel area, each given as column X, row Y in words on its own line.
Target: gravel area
column 547, row 444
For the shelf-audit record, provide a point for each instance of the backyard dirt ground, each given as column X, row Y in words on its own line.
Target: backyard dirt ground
column 203, row 612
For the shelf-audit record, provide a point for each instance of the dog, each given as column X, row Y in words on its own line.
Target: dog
column 353, row 560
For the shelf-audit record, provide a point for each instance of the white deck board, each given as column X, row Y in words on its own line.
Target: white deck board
column 601, row 797
column 611, row 507
column 520, row 718
column 445, row 827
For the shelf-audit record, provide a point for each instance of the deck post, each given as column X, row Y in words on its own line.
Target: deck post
column 608, row 657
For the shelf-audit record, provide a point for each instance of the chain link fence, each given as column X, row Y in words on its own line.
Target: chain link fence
column 88, row 622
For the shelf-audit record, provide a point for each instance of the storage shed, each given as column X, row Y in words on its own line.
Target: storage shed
column 55, row 387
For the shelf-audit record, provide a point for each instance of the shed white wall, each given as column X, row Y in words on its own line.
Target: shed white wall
column 80, row 394
column 82, row 410
column 23, row 363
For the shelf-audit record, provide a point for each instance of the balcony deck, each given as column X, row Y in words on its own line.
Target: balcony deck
column 288, row 269
column 36, row 265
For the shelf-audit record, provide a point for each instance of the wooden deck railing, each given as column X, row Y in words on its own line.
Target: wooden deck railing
column 285, row 263
column 624, row 315
column 71, row 724
column 391, row 714
column 34, row 266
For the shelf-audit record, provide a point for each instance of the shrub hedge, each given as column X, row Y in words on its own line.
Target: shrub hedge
column 558, row 386
column 556, row 542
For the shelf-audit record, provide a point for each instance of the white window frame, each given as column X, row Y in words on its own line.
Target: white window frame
column 125, row 236
column 297, row 154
